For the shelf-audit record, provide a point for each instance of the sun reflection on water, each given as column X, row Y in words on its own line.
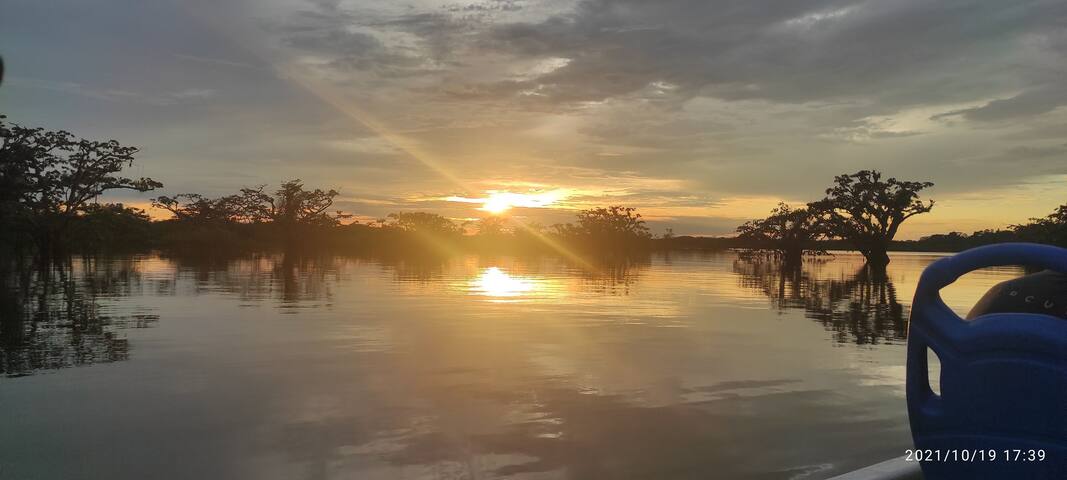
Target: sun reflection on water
column 494, row 282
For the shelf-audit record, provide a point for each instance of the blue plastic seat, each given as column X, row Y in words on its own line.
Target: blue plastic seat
column 1003, row 384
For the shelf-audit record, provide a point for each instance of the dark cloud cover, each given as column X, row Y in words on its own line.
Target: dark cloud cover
column 726, row 98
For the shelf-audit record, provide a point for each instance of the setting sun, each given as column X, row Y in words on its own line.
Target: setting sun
column 552, row 239
column 497, row 202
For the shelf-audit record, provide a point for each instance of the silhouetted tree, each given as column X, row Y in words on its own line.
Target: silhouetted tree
column 424, row 223
column 786, row 231
column 867, row 211
column 193, row 207
column 1051, row 229
column 492, row 226
column 111, row 227
column 612, row 222
column 611, row 228
column 957, row 241
column 47, row 179
column 529, row 236
column 291, row 205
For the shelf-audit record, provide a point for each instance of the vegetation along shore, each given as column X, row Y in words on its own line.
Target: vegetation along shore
column 51, row 182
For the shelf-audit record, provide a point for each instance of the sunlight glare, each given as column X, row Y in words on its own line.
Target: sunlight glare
column 494, row 282
column 497, row 202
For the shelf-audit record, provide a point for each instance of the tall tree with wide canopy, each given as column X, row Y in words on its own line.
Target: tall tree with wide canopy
column 612, row 223
column 293, row 204
column 867, row 211
column 48, row 178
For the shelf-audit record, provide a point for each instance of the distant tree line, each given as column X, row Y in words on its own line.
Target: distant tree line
column 50, row 183
column 295, row 216
column 863, row 212
column 1051, row 229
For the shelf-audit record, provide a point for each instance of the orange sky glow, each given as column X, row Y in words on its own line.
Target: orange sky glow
column 507, row 111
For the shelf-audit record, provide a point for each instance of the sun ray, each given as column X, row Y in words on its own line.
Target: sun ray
column 329, row 96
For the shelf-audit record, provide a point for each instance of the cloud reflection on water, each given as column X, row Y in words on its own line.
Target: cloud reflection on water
column 475, row 367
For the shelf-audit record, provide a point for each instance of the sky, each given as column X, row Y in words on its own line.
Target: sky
column 700, row 113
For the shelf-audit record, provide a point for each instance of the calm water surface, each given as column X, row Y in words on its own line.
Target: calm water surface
column 275, row 367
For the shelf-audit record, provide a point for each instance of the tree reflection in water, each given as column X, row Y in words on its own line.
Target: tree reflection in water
column 860, row 308
column 290, row 278
column 614, row 276
column 403, row 373
column 65, row 315
column 52, row 318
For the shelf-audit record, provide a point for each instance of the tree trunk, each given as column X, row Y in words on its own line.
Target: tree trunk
column 876, row 256
column 792, row 255
column 44, row 240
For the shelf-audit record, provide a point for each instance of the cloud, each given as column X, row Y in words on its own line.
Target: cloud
column 164, row 98
column 794, row 52
column 670, row 105
column 1036, row 101
column 214, row 61
column 488, row 6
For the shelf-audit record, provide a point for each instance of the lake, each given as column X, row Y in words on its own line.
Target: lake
column 677, row 366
